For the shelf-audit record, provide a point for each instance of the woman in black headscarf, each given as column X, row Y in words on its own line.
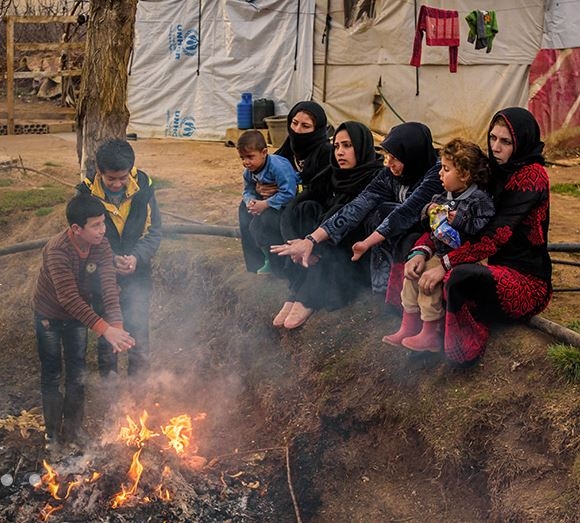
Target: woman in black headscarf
column 390, row 206
column 329, row 279
column 516, row 282
column 307, row 146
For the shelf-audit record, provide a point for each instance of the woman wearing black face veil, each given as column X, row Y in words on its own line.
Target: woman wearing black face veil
column 307, row 146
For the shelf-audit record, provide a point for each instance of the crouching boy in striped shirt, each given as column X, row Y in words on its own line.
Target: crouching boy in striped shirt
column 62, row 315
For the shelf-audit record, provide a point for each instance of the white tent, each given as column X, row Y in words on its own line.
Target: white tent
column 189, row 70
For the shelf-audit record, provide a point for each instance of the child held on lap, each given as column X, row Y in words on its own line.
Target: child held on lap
column 455, row 215
column 270, row 182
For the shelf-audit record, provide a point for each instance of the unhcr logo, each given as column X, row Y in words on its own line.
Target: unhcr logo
column 181, row 42
column 179, row 126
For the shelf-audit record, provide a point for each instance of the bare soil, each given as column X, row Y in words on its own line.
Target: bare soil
column 371, row 435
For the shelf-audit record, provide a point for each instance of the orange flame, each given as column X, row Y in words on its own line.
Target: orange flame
column 50, row 479
column 162, row 493
column 178, row 432
column 135, row 435
column 134, row 475
column 47, row 510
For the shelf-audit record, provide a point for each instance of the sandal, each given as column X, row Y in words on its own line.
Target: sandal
column 283, row 314
column 298, row 315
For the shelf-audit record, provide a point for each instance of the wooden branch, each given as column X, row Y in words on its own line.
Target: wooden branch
column 48, row 46
column 559, row 332
column 292, row 495
column 47, row 74
column 41, row 19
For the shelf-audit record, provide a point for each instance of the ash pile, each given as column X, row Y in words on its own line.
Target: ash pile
column 145, row 472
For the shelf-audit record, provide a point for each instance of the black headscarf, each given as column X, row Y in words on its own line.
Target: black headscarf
column 301, row 145
column 412, row 144
column 525, row 133
column 351, row 182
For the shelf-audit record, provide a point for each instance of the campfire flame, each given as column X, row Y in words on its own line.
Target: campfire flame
column 47, row 510
column 134, row 474
column 52, row 486
column 178, row 431
column 135, row 435
column 50, row 479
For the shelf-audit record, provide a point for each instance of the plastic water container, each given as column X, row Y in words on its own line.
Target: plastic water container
column 245, row 109
column 262, row 109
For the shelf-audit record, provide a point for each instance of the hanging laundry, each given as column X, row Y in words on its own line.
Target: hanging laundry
column 441, row 28
column 482, row 28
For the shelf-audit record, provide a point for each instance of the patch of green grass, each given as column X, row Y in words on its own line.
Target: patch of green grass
column 571, row 189
column 44, row 211
column 6, row 182
column 32, row 199
column 574, row 325
column 567, row 360
column 161, row 183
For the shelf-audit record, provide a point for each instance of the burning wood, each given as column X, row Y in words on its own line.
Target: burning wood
column 166, row 481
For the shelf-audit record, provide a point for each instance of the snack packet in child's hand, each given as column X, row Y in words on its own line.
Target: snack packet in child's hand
column 441, row 228
column 437, row 213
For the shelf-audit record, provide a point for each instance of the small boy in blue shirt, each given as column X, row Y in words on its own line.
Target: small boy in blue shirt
column 270, row 182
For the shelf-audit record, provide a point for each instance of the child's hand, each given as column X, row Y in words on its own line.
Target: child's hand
column 259, row 207
column 415, row 267
column 451, row 216
column 119, row 339
column 430, row 279
column 125, row 264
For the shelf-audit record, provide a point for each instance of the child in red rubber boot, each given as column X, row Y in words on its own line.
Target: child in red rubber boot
column 454, row 216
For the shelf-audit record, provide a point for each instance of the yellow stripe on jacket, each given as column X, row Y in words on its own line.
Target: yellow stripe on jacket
column 119, row 214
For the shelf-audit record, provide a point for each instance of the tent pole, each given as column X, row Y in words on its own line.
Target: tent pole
column 325, row 37
column 416, row 68
column 199, row 41
column 297, row 35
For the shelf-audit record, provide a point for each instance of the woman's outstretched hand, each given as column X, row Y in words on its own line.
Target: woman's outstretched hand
column 299, row 250
column 358, row 249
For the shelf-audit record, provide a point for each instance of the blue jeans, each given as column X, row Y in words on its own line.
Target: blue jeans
column 60, row 340
column 135, row 298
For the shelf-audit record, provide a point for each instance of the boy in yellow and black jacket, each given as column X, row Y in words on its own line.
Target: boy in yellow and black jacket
column 134, row 231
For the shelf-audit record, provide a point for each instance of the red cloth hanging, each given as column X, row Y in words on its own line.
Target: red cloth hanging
column 441, row 28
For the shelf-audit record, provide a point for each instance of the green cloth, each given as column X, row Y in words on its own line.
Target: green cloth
column 482, row 28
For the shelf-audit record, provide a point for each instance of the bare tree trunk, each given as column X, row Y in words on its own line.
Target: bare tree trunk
column 101, row 109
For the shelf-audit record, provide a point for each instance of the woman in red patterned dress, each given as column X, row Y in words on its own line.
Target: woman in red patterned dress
column 516, row 281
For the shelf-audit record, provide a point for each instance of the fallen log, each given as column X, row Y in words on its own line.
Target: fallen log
column 561, row 333
column 194, row 228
